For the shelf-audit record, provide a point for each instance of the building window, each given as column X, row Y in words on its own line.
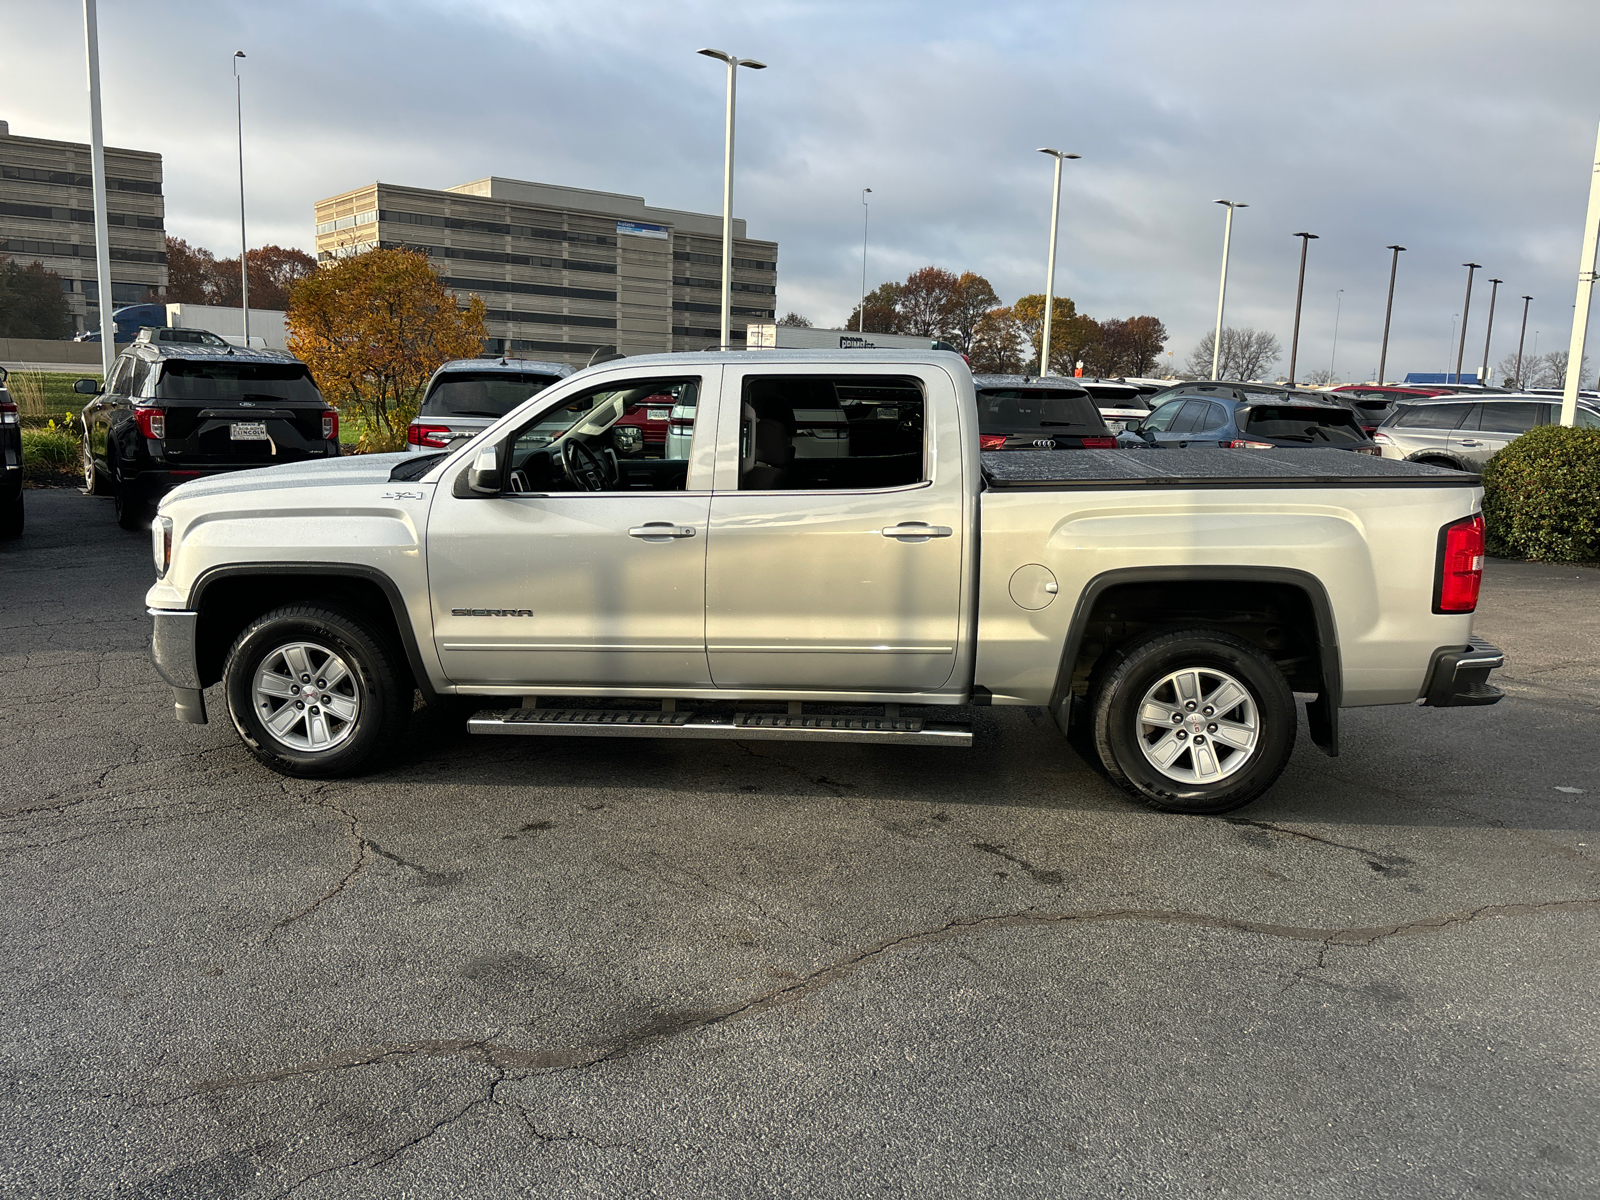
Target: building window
column 361, row 218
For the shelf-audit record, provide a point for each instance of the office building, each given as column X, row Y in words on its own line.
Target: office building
column 565, row 272
column 47, row 216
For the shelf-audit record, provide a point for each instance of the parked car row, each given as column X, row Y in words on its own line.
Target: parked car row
column 10, row 464
column 1464, row 432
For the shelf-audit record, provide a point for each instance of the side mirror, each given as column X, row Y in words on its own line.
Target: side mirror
column 484, row 475
column 87, row 387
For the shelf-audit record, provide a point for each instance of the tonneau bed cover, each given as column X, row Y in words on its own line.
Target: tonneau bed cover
column 1052, row 470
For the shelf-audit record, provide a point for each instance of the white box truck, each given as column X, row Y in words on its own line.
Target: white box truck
column 268, row 330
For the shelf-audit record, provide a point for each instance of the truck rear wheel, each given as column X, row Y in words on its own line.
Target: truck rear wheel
column 1194, row 721
column 316, row 694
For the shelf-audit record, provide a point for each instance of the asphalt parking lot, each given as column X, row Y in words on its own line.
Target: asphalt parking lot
column 571, row 968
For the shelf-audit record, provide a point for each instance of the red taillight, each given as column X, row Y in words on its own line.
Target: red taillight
column 427, row 435
column 1099, row 443
column 1240, row 444
column 330, row 426
column 152, row 422
column 991, row 441
column 8, row 414
column 1460, row 566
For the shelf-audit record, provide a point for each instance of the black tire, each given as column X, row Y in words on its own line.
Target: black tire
column 1121, row 737
column 133, row 506
column 379, row 684
column 94, row 483
column 11, row 518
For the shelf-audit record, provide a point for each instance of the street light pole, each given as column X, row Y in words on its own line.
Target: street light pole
column 1466, row 309
column 1522, row 337
column 861, row 313
column 734, row 64
column 1050, row 270
column 1580, row 310
column 97, row 166
column 1222, row 288
column 244, row 246
column 1338, row 303
column 1388, row 310
column 1299, row 291
column 1483, row 373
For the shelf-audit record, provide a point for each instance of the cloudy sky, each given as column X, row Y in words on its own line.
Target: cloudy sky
column 1464, row 130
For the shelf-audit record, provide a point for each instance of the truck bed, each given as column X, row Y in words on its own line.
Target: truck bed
column 1057, row 470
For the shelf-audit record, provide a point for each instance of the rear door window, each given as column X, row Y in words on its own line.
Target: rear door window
column 490, row 394
column 1303, row 424
column 223, row 380
column 1191, row 418
column 1160, row 420
column 1432, row 416
column 1512, row 417
column 831, row 433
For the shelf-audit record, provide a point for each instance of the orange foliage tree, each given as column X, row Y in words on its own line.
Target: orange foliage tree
column 372, row 328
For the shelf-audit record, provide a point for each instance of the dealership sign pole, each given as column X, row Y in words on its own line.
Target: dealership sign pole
column 97, row 161
column 1580, row 312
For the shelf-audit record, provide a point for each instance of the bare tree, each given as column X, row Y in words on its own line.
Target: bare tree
column 1246, row 354
column 794, row 320
column 1321, row 377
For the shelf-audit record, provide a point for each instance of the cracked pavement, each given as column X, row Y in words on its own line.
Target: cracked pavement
column 575, row 968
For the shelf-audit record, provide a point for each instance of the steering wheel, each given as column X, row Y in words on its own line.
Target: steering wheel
column 583, row 466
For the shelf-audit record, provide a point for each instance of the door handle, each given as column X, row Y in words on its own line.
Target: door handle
column 915, row 531
column 661, row 531
column 1470, row 442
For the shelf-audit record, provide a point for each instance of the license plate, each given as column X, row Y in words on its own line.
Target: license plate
column 657, row 414
column 1115, row 426
column 248, row 431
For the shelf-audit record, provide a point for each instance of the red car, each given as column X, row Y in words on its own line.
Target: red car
column 652, row 417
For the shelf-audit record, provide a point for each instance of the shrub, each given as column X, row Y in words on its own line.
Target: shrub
column 51, row 450
column 1541, row 495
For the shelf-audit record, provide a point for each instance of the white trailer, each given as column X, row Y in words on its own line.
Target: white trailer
column 268, row 330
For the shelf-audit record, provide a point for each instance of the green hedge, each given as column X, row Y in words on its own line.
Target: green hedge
column 1541, row 496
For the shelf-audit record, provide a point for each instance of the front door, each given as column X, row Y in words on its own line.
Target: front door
column 838, row 571
column 548, row 587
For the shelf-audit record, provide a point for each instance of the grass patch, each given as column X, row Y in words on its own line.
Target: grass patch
column 42, row 396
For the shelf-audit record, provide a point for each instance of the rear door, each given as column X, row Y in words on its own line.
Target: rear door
column 1494, row 425
column 839, row 573
column 1422, row 428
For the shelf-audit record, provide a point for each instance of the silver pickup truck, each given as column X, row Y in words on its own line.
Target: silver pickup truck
column 832, row 559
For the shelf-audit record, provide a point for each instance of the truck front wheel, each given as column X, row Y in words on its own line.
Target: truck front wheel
column 314, row 693
column 1194, row 721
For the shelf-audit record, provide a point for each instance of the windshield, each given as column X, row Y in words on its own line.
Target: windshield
column 1027, row 410
column 1319, row 425
column 482, row 393
column 219, row 379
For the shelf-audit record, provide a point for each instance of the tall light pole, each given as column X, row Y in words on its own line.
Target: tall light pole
column 1483, row 372
column 861, row 313
column 1222, row 289
column 1466, row 310
column 1050, row 270
column 1299, row 291
column 1522, row 337
column 97, row 161
column 1338, row 303
column 1580, row 310
column 1388, row 310
column 727, row 186
column 244, row 245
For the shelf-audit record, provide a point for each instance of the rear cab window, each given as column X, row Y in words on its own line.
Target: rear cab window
column 490, row 394
column 1303, row 423
column 824, row 433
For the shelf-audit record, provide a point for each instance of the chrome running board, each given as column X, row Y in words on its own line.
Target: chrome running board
column 740, row 727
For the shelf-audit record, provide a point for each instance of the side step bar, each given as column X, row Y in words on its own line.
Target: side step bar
column 741, row 727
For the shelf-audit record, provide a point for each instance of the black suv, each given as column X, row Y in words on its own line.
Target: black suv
column 172, row 412
column 1018, row 412
column 10, row 464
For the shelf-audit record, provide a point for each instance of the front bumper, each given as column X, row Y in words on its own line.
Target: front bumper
column 174, row 653
column 1458, row 676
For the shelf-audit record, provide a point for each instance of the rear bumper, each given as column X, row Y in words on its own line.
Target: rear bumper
column 1458, row 676
column 173, row 651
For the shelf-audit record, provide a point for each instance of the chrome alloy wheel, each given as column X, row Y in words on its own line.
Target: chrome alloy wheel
column 306, row 696
column 1198, row 725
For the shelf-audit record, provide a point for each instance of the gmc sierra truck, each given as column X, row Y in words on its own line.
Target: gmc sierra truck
column 1170, row 605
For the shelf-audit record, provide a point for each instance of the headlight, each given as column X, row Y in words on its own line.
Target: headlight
column 161, row 543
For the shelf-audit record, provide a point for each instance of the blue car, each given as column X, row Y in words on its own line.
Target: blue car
column 1226, row 418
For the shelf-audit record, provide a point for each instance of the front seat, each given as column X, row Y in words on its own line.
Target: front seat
column 764, row 465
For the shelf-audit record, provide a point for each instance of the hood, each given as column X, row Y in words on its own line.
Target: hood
column 324, row 472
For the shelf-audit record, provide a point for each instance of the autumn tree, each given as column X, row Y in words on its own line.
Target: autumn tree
column 972, row 298
column 794, row 321
column 1069, row 335
column 372, row 328
column 196, row 276
column 883, row 311
column 997, row 343
column 190, row 272
column 32, row 304
column 926, row 299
